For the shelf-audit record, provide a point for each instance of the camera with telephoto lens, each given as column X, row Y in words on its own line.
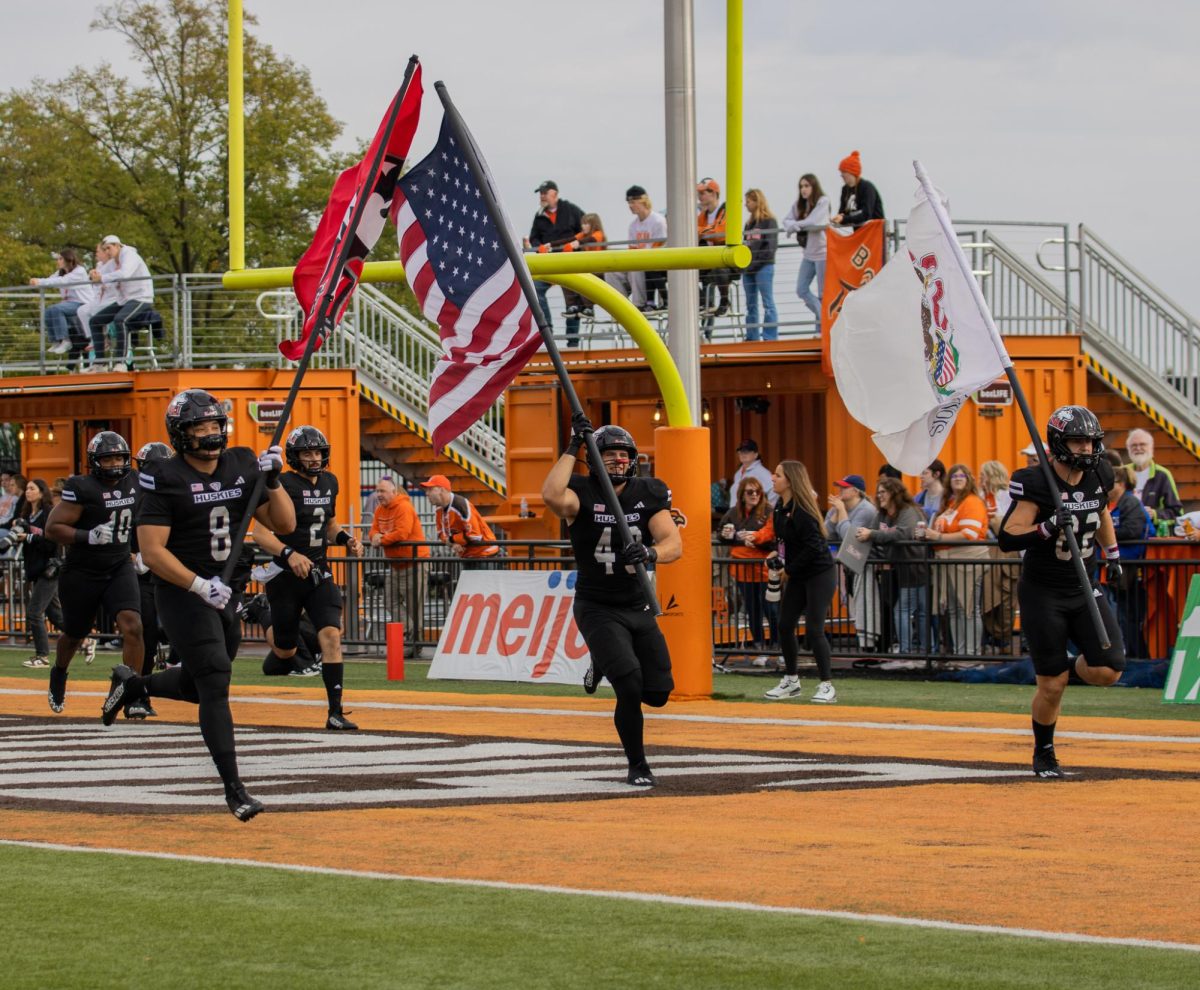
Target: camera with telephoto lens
column 10, row 539
column 774, row 579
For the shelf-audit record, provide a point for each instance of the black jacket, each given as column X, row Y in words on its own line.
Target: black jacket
column 39, row 550
column 868, row 204
column 762, row 237
column 567, row 223
column 805, row 549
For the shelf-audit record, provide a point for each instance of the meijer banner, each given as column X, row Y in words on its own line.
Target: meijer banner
column 512, row 626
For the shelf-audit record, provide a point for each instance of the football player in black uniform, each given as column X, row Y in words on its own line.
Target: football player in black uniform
column 151, row 633
column 621, row 632
column 95, row 521
column 189, row 508
column 1054, row 608
column 305, row 582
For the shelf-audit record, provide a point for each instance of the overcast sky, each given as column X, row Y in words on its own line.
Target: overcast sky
column 1063, row 110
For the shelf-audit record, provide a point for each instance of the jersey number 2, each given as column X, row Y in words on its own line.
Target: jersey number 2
column 316, row 532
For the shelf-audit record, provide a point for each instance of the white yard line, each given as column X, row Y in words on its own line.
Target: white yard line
column 621, row 895
column 664, row 717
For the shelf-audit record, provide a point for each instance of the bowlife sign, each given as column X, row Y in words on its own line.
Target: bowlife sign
column 1183, row 677
column 512, row 626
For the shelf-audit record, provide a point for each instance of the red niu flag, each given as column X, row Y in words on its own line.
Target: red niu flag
column 852, row 260
column 454, row 257
column 317, row 266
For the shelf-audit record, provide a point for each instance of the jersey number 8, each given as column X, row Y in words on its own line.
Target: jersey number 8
column 218, row 528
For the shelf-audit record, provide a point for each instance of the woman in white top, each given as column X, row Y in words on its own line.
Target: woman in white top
column 72, row 281
column 807, row 219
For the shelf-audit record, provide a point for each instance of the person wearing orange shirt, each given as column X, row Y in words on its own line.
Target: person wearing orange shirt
column 395, row 523
column 958, row 529
column 460, row 526
column 710, row 232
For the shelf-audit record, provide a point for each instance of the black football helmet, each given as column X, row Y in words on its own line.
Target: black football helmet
column 615, row 438
column 192, row 406
column 1074, row 422
column 306, row 438
column 152, row 451
column 106, row 443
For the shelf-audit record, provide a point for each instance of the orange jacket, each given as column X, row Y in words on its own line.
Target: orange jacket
column 711, row 232
column 581, row 242
column 461, row 524
column 397, row 523
column 968, row 521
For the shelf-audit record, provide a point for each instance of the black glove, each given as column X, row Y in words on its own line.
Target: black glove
column 633, row 554
column 1113, row 572
column 580, row 426
column 1059, row 521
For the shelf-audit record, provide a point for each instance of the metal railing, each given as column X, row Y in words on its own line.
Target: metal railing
column 953, row 610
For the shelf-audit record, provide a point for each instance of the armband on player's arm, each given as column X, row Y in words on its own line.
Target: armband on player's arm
column 1025, row 541
column 1113, row 552
column 81, row 536
column 342, row 539
column 281, row 557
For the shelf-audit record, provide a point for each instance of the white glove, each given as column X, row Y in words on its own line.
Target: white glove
column 99, row 535
column 215, row 592
column 139, row 565
column 262, row 573
column 271, row 459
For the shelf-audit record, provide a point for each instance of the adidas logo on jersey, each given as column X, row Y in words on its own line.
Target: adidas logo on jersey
column 240, row 481
column 640, row 505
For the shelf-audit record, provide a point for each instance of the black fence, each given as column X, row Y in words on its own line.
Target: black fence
column 937, row 607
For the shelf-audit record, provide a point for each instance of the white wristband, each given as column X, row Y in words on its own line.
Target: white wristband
column 198, row 585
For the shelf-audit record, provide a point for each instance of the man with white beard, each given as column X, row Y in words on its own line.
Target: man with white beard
column 1155, row 485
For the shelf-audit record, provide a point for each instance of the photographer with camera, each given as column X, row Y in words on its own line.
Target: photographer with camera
column 42, row 561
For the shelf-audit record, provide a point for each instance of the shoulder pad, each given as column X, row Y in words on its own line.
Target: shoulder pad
column 1107, row 475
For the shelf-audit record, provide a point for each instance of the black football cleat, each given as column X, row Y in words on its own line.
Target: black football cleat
column 58, row 689
column 1045, row 764
column 591, row 680
column 118, row 693
column 640, row 776
column 337, row 722
column 241, row 804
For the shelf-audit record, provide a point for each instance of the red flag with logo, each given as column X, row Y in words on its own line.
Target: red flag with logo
column 316, row 267
column 852, row 261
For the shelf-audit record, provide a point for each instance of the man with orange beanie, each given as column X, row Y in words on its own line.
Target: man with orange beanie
column 860, row 200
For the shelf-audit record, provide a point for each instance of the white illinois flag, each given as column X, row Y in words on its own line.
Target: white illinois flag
column 910, row 347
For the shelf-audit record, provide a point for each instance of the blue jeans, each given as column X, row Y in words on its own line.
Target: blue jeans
column 56, row 319
column 910, row 608
column 755, row 284
column 542, row 288
column 809, row 269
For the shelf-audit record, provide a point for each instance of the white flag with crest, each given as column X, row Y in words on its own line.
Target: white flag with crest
column 910, row 347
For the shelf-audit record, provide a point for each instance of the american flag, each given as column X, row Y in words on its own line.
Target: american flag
column 457, row 267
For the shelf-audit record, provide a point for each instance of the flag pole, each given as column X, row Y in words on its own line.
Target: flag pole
column 326, row 306
column 943, row 217
column 492, row 202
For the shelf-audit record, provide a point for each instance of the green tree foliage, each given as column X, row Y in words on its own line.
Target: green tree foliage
column 94, row 153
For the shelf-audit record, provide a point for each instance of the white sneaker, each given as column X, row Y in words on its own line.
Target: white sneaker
column 762, row 661
column 788, row 687
column 120, row 366
column 61, row 347
column 825, row 694
column 89, row 650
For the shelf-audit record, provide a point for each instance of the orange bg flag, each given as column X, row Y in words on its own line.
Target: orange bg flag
column 853, row 260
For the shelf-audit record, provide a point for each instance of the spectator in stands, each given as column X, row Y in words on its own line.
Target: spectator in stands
column 555, row 225
column 957, row 530
column 904, row 574
column 590, row 238
column 849, row 511
column 41, row 562
column 718, row 496
column 860, row 201
column 1154, row 484
column 807, row 219
column 1131, row 521
column 750, row 466
column 460, row 526
column 647, row 229
column 710, row 229
column 8, row 499
column 56, row 490
column 739, row 530
column 933, row 489
column 999, row 580
column 81, row 336
column 395, row 522
column 71, row 280
column 887, row 471
column 134, row 296
column 758, row 280
column 1029, row 452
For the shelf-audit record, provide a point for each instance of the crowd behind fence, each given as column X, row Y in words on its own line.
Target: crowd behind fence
column 961, row 611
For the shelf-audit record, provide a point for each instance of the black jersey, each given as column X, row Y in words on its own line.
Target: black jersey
column 1049, row 562
column 202, row 510
column 316, row 503
column 101, row 502
column 595, row 540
